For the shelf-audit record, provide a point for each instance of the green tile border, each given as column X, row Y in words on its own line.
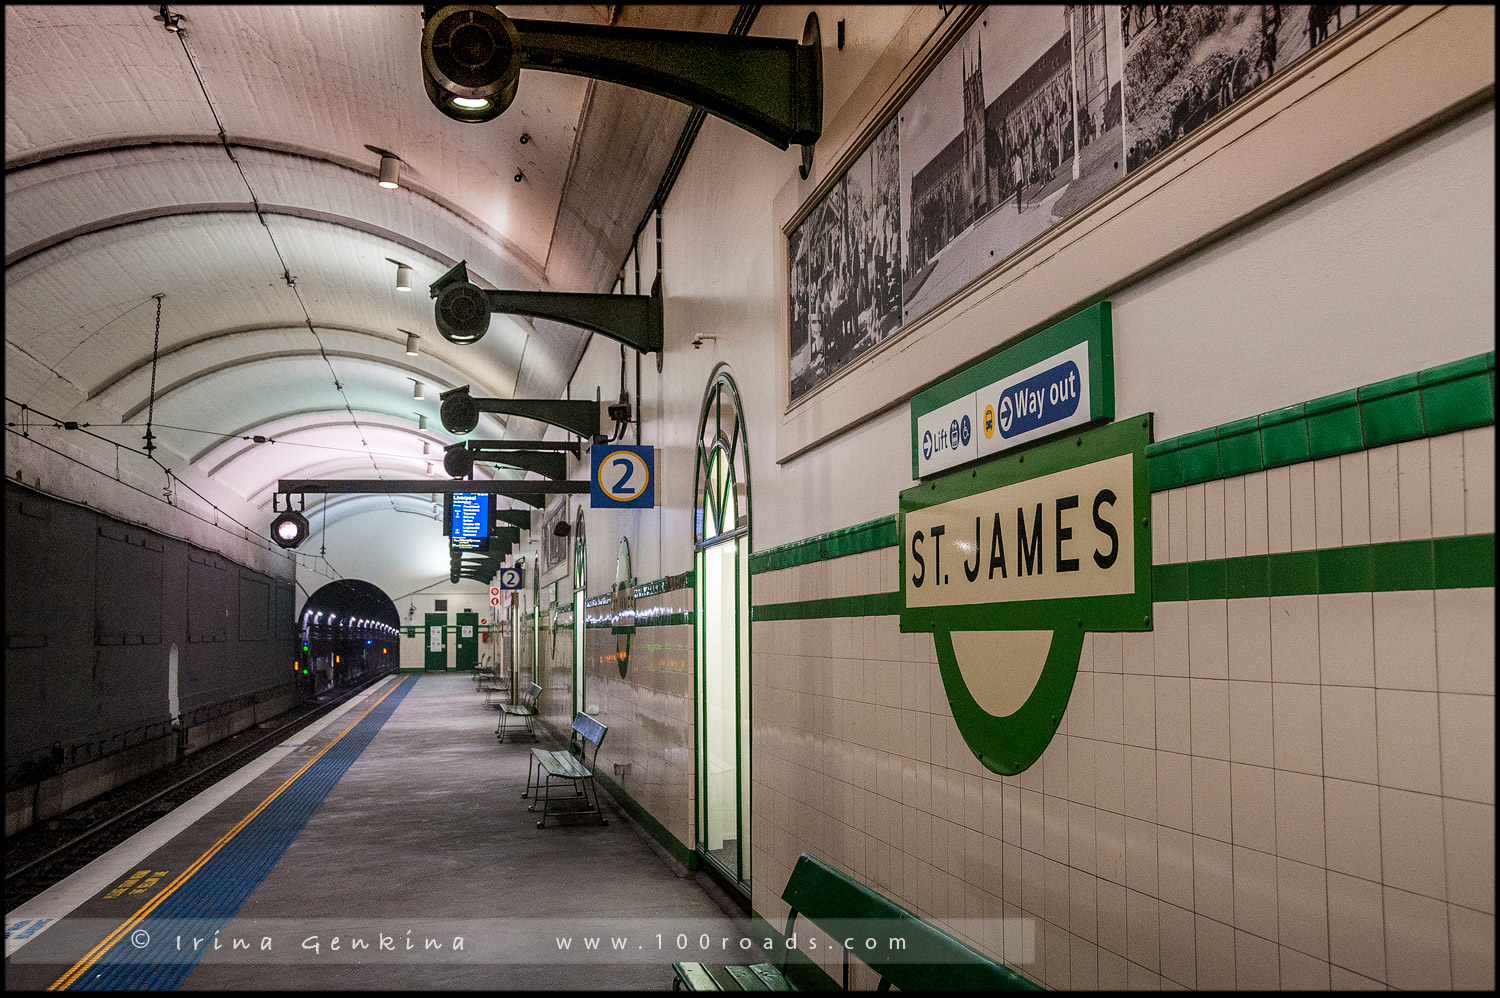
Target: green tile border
column 1466, row 562
column 869, row 536
column 643, row 817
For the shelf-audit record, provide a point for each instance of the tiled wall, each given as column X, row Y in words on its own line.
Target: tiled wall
column 1267, row 792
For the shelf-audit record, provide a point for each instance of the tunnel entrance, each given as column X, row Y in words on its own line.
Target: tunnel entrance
column 350, row 633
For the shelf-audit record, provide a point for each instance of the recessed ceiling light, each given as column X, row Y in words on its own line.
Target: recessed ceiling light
column 471, row 103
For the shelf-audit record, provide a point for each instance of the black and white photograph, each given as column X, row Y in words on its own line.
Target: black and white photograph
column 824, row 323
column 874, row 220
column 1184, row 63
column 1016, row 128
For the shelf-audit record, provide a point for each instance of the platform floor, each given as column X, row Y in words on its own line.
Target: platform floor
column 422, row 839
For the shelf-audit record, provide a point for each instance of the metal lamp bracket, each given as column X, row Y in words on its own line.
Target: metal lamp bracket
column 460, row 412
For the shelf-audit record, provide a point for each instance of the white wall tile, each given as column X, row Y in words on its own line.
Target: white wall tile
column 1080, row 712
column 1160, row 529
column 1257, row 540
column 1469, row 853
column 1302, row 908
column 1173, row 732
column 1405, row 640
column 1215, row 944
column 1213, row 519
column 1406, row 740
column 1210, row 717
column 1112, row 918
column 1250, row 723
column 1255, row 892
column 1140, row 979
column 1177, row 525
column 1479, row 480
column 1111, row 971
column 1234, row 517
column 1414, row 489
column 1174, row 854
column 1297, row 724
column 1466, row 640
column 1178, row 945
column 1171, row 638
column 1279, row 509
column 1304, row 507
column 1195, row 513
column 1349, row 733
column 1253, row 805
column 1211, row 799
column 1140, row 783
column 1416, row 942
column 1299, row 817
column 1354, row 494
column 1174, row 791
column 1055, row 892
column 1411, row 842
column 1256, row 963
column 1108, row 652
column 1467, row 734
column 1346, row 639
column 1472, row 937
column 1109, row 707
column 1250, row 638
column 1447, row 456
column 1385, row 498
column 1055, row 828
column 1142, row 930
column 1138, row 696
column 1300, row 972
column 1083, row 905
column 1140, row 856
column 1139, row 649
column 1213, row 878
column 1081, row 770
column 1082, row 841
column 1356, row 930
column 1328, row 503
column 1340, row 979
column 1084, row 968
column 1109, row 776
column 1109, row 829
column 1351, row 813
column 1032, row 820
column 1294, row 639
column 1208, row 638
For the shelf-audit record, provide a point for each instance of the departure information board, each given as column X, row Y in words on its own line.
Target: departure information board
column 471, row 515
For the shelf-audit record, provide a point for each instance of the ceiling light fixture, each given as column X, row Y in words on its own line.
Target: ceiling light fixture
column 411, row 343
column 403, row 274
column 416, row 390
column 471, row 103
column 421, row 421
column 390, row 172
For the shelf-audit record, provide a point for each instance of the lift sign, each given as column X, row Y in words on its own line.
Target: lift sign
column 623, row 477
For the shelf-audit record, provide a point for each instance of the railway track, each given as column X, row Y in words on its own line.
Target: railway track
column 51, row 850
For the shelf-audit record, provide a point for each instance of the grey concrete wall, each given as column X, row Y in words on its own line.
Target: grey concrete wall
column 94, row 607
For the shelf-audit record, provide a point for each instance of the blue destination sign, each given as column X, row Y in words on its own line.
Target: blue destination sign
column 471, row 516
column 1059, row 379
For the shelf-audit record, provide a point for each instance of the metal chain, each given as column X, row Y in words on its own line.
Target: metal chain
column 155, row 346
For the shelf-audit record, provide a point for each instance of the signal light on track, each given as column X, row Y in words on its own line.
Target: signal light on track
column 289, row 529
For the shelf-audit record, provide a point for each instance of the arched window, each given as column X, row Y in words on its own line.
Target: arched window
column 580, row 621
column 722, row 632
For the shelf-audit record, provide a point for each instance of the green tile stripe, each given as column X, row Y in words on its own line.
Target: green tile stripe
column 874, row 605
column 1440, row 563
column 645, row 619
column 1442, row 399
column 643, row 817
column 877, row 533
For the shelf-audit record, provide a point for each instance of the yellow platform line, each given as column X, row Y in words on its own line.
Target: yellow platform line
column 92, row 956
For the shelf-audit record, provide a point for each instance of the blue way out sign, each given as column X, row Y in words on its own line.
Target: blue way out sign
column 622, row 476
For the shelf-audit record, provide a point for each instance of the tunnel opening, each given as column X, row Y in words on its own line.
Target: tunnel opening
column 350, row 634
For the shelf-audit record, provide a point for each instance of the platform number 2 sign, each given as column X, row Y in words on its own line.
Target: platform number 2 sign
column 622, row 476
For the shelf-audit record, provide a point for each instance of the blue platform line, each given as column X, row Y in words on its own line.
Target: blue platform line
column 212, row 896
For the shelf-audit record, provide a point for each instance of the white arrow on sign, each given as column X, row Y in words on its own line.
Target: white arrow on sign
column 494, row 601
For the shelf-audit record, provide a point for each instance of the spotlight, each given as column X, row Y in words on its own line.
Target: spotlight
column 289, row 529
column 421, row 421
column 403, row 275
column 416, row 390
column 390, row 172
column 458, row 462
column 411, row 343
column 459, row 413
column 463, row 309
column 471, row 61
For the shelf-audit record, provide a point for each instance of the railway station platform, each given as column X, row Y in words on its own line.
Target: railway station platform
column 387, row 846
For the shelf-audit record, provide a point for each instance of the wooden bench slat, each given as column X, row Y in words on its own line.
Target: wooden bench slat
column 722, row 977
column 773, row 979
column 695, row 977
column 746, row 979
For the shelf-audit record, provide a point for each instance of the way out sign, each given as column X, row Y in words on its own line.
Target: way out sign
column 1010, row 563
column 623, row 476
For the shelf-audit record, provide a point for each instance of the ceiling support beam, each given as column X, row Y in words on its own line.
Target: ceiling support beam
column 513, row 489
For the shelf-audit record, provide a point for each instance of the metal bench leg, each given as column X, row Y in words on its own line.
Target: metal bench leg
column 529, row 763
column 546, row 799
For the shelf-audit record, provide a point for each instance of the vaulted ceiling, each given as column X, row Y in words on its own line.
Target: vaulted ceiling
column 229, row 172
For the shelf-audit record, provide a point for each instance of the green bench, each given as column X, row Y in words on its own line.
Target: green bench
column 926, row 959
column 526, row 708
column 570, row 765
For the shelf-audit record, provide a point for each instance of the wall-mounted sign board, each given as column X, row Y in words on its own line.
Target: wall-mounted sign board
column 623, row 476
column 511, row 577
column 1059, row 379
column 469, row 515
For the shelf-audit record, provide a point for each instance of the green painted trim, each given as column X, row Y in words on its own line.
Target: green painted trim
column 874, row 605
column 643, row 817
column 670, row 584
column 1466, row 562
column 868, row 536
column 1443, row 399
column 800, row 969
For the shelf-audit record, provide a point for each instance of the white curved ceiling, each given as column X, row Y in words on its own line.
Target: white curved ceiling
column 229, row 171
